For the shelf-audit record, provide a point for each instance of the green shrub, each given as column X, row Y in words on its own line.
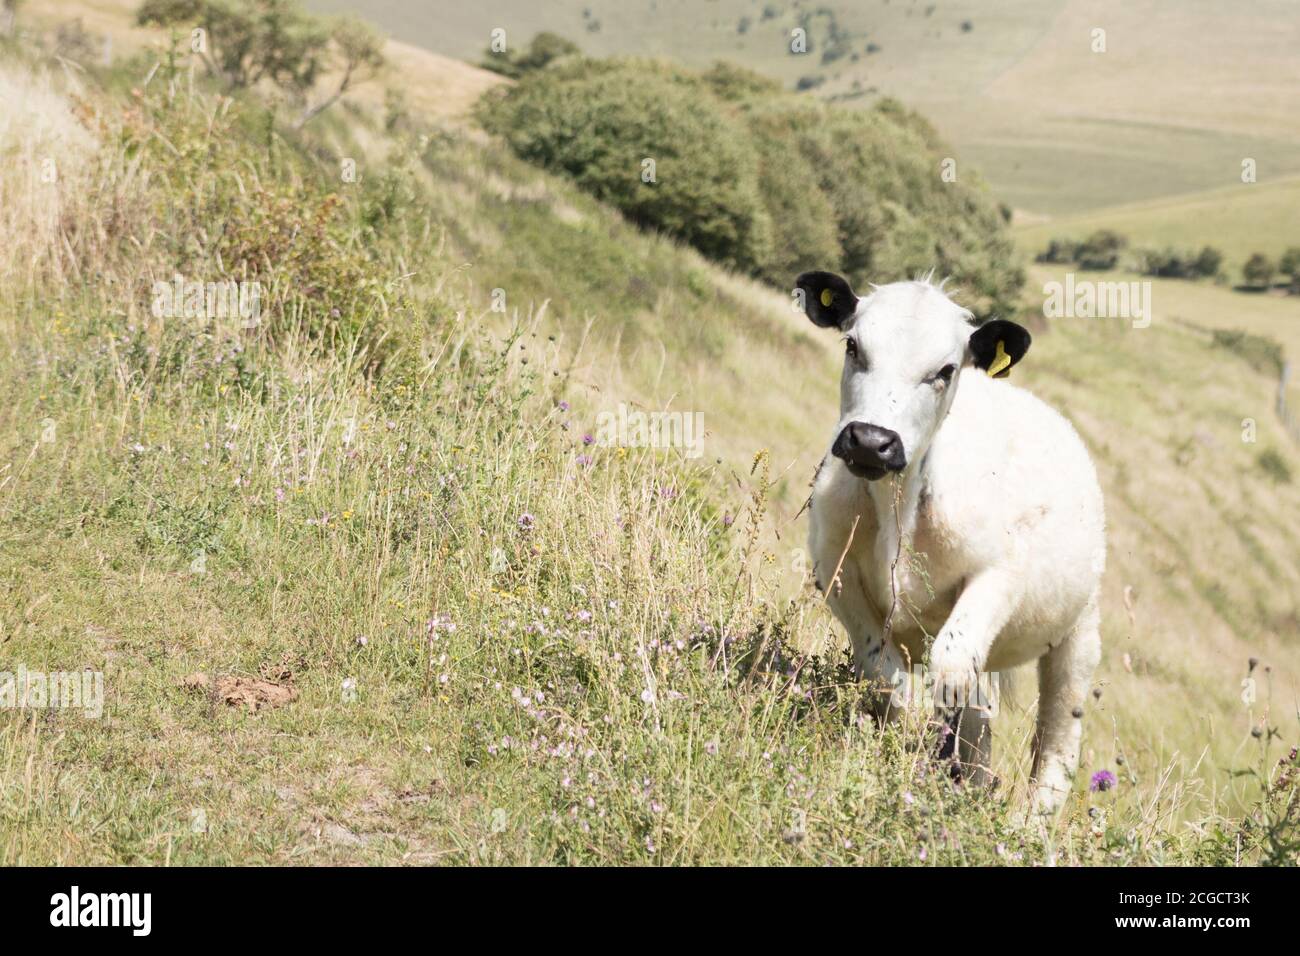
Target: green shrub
column 1258, row 270
column 759, row 179
column 600, row 123
column 541, row 52
column 1171, row 263
column 1059, row 251
column 1289, row 266
column 1101, row 250
column 1275, row 466
column 1263, row 354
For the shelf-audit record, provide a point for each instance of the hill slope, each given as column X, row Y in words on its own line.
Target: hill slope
column 558, row 638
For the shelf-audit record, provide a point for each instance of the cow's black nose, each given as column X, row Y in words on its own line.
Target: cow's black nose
column 869, row 451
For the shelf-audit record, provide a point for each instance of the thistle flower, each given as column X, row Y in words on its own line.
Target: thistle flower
column 1102, row 780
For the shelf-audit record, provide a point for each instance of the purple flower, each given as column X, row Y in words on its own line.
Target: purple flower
column 584, row 460
column 1102, row 780
column 438, row 623
column 525, row 522
column 588, row 440
column 727, row 520
column 564, row 406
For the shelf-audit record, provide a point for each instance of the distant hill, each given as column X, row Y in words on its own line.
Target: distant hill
column 1185, row 89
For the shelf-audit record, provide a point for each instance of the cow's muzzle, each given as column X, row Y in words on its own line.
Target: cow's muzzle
column 869, row 451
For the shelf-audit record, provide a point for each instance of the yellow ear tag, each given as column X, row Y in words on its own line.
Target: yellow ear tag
column 827, row 297
column 1001, row 364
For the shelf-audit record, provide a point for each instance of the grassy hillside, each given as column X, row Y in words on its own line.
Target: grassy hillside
column 503, row 644
column 437, row 86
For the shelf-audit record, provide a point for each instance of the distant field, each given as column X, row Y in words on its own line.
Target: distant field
column 1239, row 220
column 1179, row 304
column 1054, row 127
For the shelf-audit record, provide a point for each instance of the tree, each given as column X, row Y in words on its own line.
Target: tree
column 360, row 51
column 1101, row 250
column 1289, row 266
column 1208, row 262
column 248, row 40
column 545, row 48
column 251, row 41
column 1259, row 270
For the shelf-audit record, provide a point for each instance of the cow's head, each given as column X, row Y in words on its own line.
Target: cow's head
column 906, row 345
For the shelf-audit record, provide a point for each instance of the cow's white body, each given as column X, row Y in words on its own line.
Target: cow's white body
column 1001, row 529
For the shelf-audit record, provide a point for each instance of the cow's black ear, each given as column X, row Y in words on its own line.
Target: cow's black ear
column 998, row 345
column 827, row 298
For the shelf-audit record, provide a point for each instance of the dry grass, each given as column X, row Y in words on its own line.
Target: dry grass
column 624, row 682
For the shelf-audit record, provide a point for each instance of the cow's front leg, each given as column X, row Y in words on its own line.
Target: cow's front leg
column 1064, row 676
column 880, row 663
column 957, row 658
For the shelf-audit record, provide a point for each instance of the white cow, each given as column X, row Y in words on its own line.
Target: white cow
column 956, row 520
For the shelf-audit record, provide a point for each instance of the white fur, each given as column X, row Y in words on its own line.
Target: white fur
column 1001, row 522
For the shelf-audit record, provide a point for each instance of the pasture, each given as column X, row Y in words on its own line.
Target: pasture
column 369, row 595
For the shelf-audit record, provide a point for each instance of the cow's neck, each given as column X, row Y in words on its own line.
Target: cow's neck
column 896, row 501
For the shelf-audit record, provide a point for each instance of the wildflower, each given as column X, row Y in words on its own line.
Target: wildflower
column 727, row 521
column 362, row 640
column 526, row 522
column 563, row 405
column 437, row 623
column 1102, row 780
column 584, row 460
column 588, row 440
column 711, row 748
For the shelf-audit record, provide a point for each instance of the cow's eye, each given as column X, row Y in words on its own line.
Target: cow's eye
column 851, row 348
column 944, row 375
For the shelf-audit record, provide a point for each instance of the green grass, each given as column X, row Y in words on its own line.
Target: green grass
column 564, row 661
